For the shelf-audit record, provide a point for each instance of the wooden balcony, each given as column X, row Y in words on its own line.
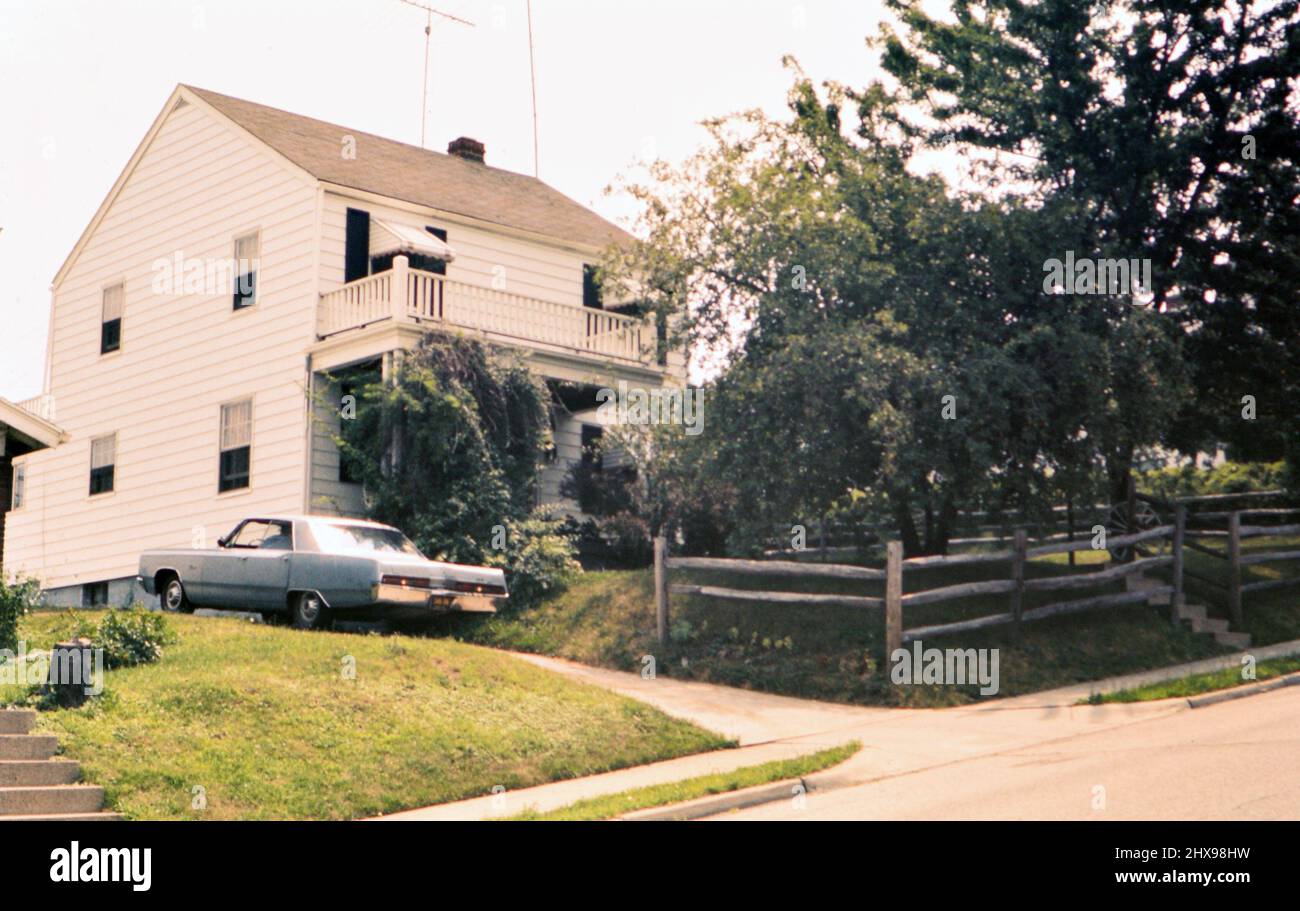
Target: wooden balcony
column 414, row 297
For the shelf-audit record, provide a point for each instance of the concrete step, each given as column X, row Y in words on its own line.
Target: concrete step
column 66, row 798
column 32, row 772
column 105, row 816
column 1192, row 612
column 16, row 721
column 1209, row 625
column 1233, row 640
column 28, row 746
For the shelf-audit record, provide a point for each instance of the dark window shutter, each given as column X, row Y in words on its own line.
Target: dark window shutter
column 591, row 296
column 356, row 256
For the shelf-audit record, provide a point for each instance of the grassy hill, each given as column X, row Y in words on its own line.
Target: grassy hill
column 266, row 722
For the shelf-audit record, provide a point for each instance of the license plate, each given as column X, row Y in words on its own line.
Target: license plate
column 441, row 600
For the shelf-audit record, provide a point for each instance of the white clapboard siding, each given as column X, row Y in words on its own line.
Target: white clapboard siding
column 329, row 495
column 198, row 185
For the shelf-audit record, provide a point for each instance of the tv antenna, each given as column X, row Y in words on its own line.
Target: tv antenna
column 532, row 71
column 430, row 12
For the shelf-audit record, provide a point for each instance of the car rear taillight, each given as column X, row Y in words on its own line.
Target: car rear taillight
column 406, row 581
column 478, row 588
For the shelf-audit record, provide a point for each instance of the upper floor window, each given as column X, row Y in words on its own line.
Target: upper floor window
column 591, row 293
column 20, row 486
column 110, row 325
column 236, row 445
column 103, row 459
column 248, row 253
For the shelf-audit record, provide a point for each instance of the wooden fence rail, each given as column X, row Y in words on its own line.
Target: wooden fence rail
column 1180, row 536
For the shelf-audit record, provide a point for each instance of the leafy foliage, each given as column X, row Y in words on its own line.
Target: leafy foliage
column 129, row 637
column 449, row 453
column 17, row 598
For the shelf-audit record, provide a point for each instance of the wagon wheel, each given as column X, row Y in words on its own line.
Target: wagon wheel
column 1145, row 519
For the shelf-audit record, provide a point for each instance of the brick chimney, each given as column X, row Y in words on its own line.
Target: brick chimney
column 469, row 149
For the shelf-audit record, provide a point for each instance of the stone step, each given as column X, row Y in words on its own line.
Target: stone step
column 1192, row 612
column 16, row 721
column 1210, row 625
column 66, row 798
column 29, row 772
column 28, row 746
column 1233, row 640
column 105, row 816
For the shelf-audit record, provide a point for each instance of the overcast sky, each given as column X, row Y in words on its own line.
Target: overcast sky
column 617, row 80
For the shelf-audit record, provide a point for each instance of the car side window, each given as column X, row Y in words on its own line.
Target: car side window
column 279, row 536
column 250, row 534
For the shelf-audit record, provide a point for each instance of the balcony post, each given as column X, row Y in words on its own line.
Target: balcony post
column 398, row 289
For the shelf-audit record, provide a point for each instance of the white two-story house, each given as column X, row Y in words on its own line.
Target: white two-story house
column 248, row 266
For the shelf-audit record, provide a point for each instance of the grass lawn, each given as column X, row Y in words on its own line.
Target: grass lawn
column 663, row 795
column 264, row 720
column 833, row 653
column 1200, row 683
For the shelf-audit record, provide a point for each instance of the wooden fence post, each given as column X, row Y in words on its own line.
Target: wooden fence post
column 1234, row 561
column 1130, row 505
column 661, row 588
column 1069, row 525
column 893, row 599
column 1018, row 575
column 1180, row 528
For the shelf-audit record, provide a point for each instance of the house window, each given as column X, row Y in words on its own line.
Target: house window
column 20, row 486
column 94, row 594
column 103, row 458
column 248, row 253
column 591, row 448
column 236, row 445
column 348, row 473
column 356, row 252
column 591, row 291
column 110, row 326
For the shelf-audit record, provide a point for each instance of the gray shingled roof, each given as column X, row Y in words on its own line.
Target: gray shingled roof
column 416, row 175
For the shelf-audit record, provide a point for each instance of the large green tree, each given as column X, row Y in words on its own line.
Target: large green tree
column 1167, row 130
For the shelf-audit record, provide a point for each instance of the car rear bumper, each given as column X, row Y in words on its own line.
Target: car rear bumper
column 435, row 601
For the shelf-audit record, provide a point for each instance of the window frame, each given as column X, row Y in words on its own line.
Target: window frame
column 111, row 468
column 18, row 486
column 119, row 286
column 236, row 274
column 221, row 451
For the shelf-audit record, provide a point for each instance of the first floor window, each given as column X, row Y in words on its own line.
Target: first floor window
column 236, row 445
column 592, row 452
column 248, row 253
column 110, row 325
column 103, row 459
column 20, row 485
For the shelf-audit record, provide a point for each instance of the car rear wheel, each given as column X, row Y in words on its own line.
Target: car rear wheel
column 309, row 611
column 172, row 597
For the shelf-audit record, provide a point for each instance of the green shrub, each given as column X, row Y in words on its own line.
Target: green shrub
column 538, row 558
column 16, row 599
column 1230, row 477
column 128, row 637
column 133, row 636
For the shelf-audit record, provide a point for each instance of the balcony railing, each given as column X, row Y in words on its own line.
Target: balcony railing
column 42, row 406
column 406, row 295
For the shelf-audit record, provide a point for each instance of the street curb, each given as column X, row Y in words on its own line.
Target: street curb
column 714, row 804
column 1241, row 692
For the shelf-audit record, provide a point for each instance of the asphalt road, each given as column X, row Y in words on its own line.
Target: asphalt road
column 1234, row 761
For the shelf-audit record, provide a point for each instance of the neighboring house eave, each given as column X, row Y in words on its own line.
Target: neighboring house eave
column 38, row 431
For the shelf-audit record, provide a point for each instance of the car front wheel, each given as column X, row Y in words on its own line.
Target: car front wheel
column 173, row 598
column 309, row 611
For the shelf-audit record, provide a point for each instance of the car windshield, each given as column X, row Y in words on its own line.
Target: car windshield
column 334, row 538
